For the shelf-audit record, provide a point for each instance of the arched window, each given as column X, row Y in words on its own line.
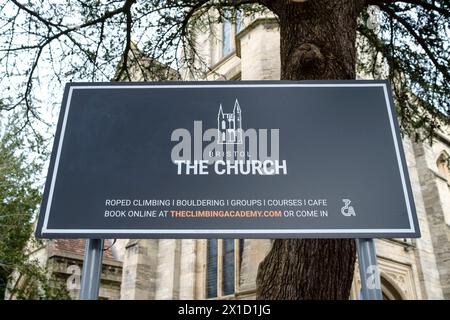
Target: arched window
column 443, row 165
column 390, row 290
column 238, row 23
column 222, row 267
column 226, row 36
column 223, row 124
column 231, row 25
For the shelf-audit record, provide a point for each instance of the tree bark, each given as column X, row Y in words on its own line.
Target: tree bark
column 317, row 41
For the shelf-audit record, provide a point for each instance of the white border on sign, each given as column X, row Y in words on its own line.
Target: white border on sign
column 47, row 231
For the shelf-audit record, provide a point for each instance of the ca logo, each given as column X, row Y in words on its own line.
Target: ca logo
column 347, row 210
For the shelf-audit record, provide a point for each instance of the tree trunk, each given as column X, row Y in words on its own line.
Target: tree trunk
column 317, row 41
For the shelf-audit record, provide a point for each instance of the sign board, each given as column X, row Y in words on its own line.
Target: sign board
column 318, row 159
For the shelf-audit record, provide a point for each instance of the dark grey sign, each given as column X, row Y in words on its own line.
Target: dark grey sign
column 320, row 159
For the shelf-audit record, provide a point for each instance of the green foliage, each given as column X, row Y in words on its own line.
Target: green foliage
column 22, row 276
column 31, row 281
column 410, row 46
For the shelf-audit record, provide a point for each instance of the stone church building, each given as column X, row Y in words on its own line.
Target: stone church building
column 227, row 268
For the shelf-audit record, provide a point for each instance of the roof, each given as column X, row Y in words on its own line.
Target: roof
column 76, row 247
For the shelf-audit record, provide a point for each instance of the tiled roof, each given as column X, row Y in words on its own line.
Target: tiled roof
column 76, row 246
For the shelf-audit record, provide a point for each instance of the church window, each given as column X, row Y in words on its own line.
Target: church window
column 211, row 270
column 221, row 272
column 443, row 165
column 238, row 21
column 228, row 267
column 226, row 36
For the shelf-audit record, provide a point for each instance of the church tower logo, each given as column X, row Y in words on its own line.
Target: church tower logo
column 229, row 126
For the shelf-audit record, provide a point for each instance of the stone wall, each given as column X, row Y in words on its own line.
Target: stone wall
column 436, row 196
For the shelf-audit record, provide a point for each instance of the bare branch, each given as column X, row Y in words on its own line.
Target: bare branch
column 34, row 14
column 419, row 40
column 422, row 3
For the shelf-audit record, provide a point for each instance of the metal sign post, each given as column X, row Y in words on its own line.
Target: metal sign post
column 92, row 269
column 368, row 269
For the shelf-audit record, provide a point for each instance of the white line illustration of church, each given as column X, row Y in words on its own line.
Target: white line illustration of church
column 229, row 126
